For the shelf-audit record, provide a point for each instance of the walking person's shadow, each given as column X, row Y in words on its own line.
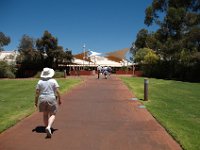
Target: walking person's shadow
column 41, row 129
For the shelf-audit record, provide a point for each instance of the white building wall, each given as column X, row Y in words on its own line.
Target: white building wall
column 8, row 56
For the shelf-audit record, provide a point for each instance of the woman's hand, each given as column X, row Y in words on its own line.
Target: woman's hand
column 37, row 93
column 36, row 104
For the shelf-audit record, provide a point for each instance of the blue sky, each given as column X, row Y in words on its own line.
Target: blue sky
column 103, row 25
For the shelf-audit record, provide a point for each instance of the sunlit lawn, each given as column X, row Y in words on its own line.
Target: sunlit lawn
column 176, row 105
column 17, row 99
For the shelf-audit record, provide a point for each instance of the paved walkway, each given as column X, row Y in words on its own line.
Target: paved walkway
column 98, row 115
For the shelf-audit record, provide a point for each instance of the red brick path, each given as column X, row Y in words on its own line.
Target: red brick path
column 97, row 115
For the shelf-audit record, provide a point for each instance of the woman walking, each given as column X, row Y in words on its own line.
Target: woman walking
column 47, row 98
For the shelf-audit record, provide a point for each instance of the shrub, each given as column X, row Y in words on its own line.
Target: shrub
column 10, row 74
column 6, row 71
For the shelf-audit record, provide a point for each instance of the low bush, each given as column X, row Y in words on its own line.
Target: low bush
column 6, row 70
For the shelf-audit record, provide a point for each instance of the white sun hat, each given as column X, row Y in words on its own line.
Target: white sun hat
column 47, row 73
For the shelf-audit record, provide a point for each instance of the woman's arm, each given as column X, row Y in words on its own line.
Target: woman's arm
column 37, row 93
column 58, row 96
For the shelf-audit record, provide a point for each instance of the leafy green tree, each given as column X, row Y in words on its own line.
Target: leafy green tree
column 151, row 58
column 67, row 57
column 29, row 60
column 178, row 20
column 4, row 40
column 6, row 70
column 147, row 59
column 30, row 57
column 48, row 46
column 141, row 38
column 146, row 56
column 140, row 54
column 177, row 40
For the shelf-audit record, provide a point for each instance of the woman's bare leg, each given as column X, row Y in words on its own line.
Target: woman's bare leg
column 51, row 120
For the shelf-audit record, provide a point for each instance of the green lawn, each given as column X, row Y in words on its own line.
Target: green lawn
column 17, row 99
column 176, row 105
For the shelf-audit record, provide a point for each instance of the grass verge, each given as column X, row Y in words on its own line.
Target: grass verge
column 175, row 105
column 17, row 99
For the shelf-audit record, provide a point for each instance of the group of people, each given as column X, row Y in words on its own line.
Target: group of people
column 105, row 71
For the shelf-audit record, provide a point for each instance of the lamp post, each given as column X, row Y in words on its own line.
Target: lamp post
column 146, row 91
column 88, row 57
column 83, row 55
column 133, row 69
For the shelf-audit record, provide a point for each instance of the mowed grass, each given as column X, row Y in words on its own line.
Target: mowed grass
column 17, row 99
column 176, row 105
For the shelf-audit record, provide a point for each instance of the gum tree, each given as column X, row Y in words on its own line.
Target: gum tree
column 48, row 47
column 4, row 40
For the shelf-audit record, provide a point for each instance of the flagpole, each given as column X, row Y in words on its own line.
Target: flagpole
column 83, row 56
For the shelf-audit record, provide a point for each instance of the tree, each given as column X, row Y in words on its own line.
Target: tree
column 145, row 39
column 177, row 40
column 4, row 40
column 68, row 57
column 147, row 59
column 48, row 46
column 177, row 20
column 7, row 71
column 30, row 57
column 141, row 38
column 29, row 60
column 146, row 56
column 151, row 58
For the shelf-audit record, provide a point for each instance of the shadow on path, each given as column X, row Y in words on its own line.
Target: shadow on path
column 41, row 129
